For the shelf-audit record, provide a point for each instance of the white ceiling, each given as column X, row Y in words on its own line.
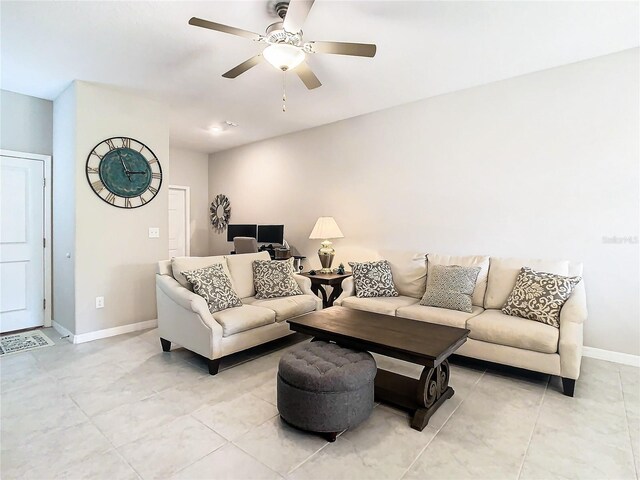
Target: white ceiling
column 424, row 49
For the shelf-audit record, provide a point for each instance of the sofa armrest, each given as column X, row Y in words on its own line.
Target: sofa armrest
column 348, row 290
column 570, row 349
column 305, row 285
column 572, row 317
column 184, row 318
column 575, row 308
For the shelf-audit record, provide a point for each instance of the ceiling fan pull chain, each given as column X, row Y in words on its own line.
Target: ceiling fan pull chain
column 284, row 91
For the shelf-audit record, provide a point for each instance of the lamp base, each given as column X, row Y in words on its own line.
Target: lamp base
column 326, row 254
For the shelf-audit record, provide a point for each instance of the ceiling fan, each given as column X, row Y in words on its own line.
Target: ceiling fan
column 286, row 49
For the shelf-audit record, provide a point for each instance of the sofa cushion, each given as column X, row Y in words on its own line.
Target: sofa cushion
column 493, row 326
column 285, row 307
column 246, row 317
column 539, row 296
column 214, row 285
column 481, row 261
column 386, row 305
column 409, row 271
column 442, row 316
column 274, row 279
column 241, row 268
column 182, row 264
column 504, row 271
column 450, row 286
column 373, row 279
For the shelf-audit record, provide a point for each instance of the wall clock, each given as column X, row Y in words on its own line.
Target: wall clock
column 124, row 172
column 220, row 210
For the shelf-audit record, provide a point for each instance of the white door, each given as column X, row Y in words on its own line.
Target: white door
column 179, row 236
column 21, row 243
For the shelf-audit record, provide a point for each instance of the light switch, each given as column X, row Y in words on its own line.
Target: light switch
column 154, row 232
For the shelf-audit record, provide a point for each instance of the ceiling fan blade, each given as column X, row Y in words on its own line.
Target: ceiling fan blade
column 199, row 22
column 344, row 48
column 296, row 15
column 307, row 76
column 243, row 67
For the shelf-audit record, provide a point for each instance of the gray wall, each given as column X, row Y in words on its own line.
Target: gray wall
column 540, row 166
column 26, row 123
column 191, row 169
column 113, row 255
column 64, row 212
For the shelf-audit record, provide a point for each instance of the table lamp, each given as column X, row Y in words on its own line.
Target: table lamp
column 326, row 228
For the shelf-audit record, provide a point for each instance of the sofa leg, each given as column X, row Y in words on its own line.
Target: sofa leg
column 568, row 386
column 213, row 366
column 166, row 345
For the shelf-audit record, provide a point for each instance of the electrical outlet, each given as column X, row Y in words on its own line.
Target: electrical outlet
column 99, row 302
column 154, row 232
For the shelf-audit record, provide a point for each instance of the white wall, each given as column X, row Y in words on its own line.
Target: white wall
column 191, row 169
column 114, row 257
column 26, row 123
column 544, row 165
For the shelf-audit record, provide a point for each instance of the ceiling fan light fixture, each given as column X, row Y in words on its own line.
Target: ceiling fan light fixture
column 283, row 56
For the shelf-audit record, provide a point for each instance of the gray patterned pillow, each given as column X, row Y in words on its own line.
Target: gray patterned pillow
column 450, row 286
column 373, row 279
column 274, row 278
column 214, row 285
column 539, row 296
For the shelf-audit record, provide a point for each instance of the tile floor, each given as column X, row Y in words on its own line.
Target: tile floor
column 119, row 408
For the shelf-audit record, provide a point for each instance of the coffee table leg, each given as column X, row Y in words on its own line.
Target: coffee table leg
column 433, row 390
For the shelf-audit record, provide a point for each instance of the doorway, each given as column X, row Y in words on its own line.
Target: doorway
column 25, row 261
column 179, row 221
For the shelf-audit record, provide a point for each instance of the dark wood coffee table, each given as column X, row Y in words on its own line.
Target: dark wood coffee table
column 427, row 344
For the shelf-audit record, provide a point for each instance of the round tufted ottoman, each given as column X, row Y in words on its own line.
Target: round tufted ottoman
column 325, row 388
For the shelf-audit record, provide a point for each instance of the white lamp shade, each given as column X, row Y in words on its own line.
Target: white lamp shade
column 326, row 227
column 283, row 56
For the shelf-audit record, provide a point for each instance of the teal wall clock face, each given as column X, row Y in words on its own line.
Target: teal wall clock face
column 124, row 172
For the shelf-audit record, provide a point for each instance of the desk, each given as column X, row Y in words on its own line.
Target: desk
column 332, row 279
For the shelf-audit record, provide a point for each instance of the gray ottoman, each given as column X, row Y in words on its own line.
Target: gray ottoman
column 325, row 388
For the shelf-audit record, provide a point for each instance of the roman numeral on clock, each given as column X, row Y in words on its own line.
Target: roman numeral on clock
column 156, row 175
column 97, row 186
column 96, row 154
column 153, row 190
column 142, row 200
column 92, row 170
column 127, row 203
column 126, row 142
column 111, row 198
column 110, row 144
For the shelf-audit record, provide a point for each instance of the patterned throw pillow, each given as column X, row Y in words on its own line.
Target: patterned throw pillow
column 539, row 296
column 373, row 279
column 274, row 278
column 451, row 287
column 214, row 285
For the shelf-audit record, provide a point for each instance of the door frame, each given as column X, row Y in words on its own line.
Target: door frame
column 46, row 159
column 187, row 215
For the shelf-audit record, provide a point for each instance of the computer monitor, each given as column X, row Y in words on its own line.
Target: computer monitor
column 241, row 231
column 271, row 234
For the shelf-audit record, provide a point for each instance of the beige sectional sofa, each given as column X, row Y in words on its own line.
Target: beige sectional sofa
column 494, row 336
column 184, row 318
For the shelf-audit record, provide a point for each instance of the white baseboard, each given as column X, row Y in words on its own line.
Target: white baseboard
column 62, row 331
column 107, row 332
column 608, row 355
